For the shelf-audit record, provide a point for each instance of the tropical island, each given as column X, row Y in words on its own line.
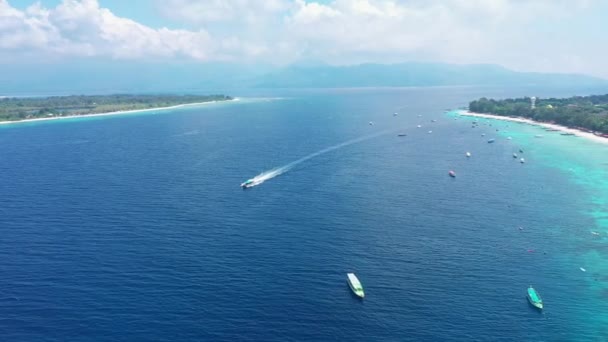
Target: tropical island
column 585, row 113
column 30, row 108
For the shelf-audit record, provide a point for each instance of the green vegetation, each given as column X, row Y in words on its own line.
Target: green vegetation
column 584, row 112
column 15, row 109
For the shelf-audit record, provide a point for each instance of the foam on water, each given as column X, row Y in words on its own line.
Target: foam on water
column 270, row 174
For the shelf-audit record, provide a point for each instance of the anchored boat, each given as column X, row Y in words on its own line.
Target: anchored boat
column 534, row 298
column 355, row 285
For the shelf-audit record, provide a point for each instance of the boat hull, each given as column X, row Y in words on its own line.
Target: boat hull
column 534, row 299
column 355, row 285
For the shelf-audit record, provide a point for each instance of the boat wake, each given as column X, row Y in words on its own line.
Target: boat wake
column 270, row 174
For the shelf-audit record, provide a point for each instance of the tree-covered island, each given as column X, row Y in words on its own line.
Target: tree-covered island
column 23, row 108
column 588, row 113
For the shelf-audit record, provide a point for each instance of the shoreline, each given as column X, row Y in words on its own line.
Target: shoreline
column 119, row 112
column 560, row 128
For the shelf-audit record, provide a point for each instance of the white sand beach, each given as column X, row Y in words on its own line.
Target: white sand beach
column 120, row 112
column 560, row 128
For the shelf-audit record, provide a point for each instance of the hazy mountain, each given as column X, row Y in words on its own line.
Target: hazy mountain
column 82, row 77
column 414, row 74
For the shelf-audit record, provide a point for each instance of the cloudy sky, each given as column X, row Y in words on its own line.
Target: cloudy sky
column 532, row 35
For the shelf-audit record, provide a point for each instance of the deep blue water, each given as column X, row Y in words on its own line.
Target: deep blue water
column 134, row 227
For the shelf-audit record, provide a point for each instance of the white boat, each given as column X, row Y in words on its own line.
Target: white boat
column 419, row 126
column 514, row 155
column 430, row 132
column 371, row 123
column 468, row 154
column 538, row 136
column 248, row 184
column 522, row 160
column 509, row 138
column 355, row 285
column 582, row 269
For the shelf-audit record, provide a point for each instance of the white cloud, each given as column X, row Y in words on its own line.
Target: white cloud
column 522, row 34
column 83, row 28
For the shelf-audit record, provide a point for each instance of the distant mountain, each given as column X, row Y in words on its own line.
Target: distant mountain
column 414, row 75
column 102, row 77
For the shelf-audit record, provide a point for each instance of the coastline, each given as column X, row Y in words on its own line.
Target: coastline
column 560, row 128
column 119, row 112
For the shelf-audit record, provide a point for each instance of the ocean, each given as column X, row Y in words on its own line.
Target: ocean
column 134, row 227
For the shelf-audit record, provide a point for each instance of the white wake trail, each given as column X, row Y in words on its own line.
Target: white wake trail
column 266, row 175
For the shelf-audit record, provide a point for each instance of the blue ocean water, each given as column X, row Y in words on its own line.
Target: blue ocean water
column 134, row 227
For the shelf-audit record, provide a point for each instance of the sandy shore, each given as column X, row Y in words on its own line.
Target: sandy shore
column 559, row 128
column 120, row 112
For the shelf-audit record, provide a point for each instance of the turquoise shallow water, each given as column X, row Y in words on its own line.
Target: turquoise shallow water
column 134, row 227
column 584, row 163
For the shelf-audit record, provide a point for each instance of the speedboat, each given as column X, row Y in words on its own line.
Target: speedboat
column 468, row 154
column 490, row 141
column 522, row 160
column 394, row 114
column 419, row 126
column 452, row 174
column 401, row 134
column 247, row 184
column 534, row 298
column 514, row 155
column 355, row 285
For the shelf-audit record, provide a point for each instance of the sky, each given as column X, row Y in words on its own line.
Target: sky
column 566, row 36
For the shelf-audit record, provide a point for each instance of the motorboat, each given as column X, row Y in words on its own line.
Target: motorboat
column 355, row 285
column 534, row 298
column 248, row 184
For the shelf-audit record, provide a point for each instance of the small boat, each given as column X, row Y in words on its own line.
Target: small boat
column 419, row 115
column 452, row 174
column 522, row 160
column 534, row 298
column 248, row 184
column 567, row 133
column 483, row 134
column 582, row 269
column 430, row 132
column 401, row 135
column 509, row 138
column 490, row 141
column 595, row 233
column 468, row 154
column 521, row 151
column 371, row 123
column 538, row 136
column 394, row 114
column 355, row 285
column 433, row 120
column 514, row 155
column 419, row 126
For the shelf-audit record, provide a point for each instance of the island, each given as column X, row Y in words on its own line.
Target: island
column 32, row 108
column 584, row 113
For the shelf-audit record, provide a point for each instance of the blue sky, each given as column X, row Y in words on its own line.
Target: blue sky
column 530, row 35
